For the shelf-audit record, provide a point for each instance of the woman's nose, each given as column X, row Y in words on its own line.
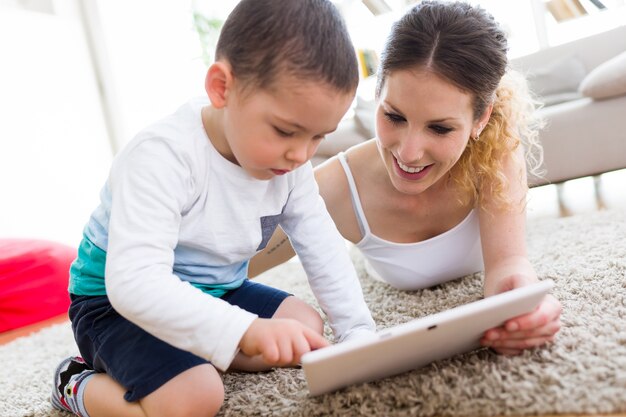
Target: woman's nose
column 411, row 149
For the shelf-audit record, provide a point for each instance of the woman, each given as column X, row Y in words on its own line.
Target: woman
column 440, row 192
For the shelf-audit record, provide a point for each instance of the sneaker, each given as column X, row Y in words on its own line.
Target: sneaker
column 68, row 385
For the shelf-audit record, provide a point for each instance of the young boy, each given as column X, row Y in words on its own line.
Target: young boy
column 160, row 295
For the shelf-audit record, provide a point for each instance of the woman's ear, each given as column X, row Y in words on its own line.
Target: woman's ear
column 218, row 82
column 482, row 122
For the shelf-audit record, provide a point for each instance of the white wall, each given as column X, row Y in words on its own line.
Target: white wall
column 153, row 57
column 54, row 150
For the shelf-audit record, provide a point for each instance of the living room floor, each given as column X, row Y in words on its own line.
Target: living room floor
column 573, row 197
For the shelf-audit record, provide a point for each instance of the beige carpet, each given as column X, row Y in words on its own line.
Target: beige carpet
column 583, row 372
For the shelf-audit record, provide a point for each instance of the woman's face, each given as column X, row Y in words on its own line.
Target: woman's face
column 423, row 124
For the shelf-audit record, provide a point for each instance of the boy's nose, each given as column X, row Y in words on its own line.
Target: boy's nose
column 298, row 153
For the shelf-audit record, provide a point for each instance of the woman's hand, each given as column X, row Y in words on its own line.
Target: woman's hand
column 527, row 331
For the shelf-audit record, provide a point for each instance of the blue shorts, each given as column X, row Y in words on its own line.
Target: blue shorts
column 140, row 362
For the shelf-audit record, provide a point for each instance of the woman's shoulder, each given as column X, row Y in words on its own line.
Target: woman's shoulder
column 335, row 188
column 363, row 152
column 332, row 171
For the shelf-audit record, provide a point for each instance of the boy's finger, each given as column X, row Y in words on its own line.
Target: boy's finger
column 286, row 351
column 315, row 340
column 270, row 353
column 300, row 347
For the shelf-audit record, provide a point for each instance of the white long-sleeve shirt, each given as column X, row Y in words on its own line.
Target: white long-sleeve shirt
column 175, row 212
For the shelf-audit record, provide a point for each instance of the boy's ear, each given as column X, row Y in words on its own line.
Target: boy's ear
column 218, row 83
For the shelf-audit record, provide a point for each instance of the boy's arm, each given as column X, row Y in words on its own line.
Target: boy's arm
column 149, row 191
column 324, row 256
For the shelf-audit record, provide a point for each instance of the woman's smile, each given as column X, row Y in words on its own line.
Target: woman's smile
column 411, row 172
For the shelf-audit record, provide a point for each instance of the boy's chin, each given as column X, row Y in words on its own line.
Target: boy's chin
column 261, row 175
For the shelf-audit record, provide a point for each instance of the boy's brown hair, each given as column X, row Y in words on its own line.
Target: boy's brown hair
column 307, row 39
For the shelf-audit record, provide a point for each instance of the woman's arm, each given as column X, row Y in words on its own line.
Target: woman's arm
column 503, row 236
column 503, row 230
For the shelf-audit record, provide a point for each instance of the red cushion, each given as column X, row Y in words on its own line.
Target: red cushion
column 34, row 278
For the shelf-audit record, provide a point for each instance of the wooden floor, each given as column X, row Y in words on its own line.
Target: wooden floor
column 11, row 335
column 606, row 191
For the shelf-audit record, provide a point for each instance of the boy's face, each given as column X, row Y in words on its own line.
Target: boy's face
column 271, row 132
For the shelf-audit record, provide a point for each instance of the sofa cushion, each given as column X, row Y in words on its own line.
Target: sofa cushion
column 558, row 98
column 607, row 79
column 558, row 81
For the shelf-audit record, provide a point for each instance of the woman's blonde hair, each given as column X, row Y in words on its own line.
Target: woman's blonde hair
column 513, row 123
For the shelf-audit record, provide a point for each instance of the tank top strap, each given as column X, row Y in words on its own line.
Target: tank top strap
column 354, row 195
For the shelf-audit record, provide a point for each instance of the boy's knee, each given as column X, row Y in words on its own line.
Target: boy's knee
column 313, row 319
column 295, row 308
column 206, row 405
column 212, row 404
column 199, row 392
column 317, row 323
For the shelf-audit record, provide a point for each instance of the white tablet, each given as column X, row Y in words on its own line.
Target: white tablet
column 418, row 342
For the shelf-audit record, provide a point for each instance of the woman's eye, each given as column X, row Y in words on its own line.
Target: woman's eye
column 440, row 130
column 282, row 132
column 394, row 118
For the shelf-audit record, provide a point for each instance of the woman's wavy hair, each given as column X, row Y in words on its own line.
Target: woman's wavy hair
column 465, row 45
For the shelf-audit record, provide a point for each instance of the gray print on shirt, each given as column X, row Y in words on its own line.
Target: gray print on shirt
column 268, row 225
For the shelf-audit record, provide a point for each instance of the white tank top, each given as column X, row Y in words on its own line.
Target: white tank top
column 410, row 266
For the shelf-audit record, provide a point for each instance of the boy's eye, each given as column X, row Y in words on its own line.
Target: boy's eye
column 282, row 132
column 394, row 118
column 440, row 130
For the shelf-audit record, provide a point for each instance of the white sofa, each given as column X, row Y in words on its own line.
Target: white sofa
column 583, row 135
column 586, row 133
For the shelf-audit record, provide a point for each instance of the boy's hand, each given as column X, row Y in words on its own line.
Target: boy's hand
column 280, row 342
column 527, row 331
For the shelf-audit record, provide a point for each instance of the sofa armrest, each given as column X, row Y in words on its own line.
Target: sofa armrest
column 583, row 137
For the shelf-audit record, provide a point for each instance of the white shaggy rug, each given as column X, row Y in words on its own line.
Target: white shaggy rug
column 584, row 371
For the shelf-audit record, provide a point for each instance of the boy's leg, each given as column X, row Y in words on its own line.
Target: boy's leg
column 76, row 387
column 68, row 385
column 98, row 395
column 198, row 388
column 133, row 365
column 104, row 397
